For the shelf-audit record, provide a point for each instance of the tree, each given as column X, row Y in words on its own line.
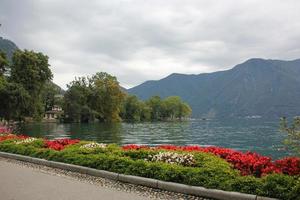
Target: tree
column 106, row 97
column 293, row 134
column 3, row 63
column 155, row 103
column 184, row 110
column 76, row 101
column 31, row 71
column 132, row 109
column 145, row 112
column 99, row 96
column 171, row 106
column 14, row 101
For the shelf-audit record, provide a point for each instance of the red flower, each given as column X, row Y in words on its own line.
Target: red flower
column 290, row 165
column 134, row 147
column 60, row 144
column 5, row 130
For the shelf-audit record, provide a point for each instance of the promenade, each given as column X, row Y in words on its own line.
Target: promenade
column 22, row 183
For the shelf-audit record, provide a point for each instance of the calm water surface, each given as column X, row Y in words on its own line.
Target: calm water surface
column 257, row 135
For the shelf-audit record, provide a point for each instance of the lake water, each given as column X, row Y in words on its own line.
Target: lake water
column 257, row 135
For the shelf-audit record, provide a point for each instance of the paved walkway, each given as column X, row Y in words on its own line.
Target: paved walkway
column 22, row 183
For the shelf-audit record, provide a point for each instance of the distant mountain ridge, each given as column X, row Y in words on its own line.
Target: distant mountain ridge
column 269, row 88
column 8, row 47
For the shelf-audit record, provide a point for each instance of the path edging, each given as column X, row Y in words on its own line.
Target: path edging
column 169, row 186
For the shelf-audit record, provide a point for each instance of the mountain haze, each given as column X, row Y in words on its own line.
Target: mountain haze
column 8, row 47
column 269, row 88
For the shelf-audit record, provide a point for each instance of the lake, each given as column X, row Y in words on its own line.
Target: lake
column 258, row 135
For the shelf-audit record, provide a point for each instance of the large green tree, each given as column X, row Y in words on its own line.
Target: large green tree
column 132, row 109
column 76, row 101
column 99, row 96
column 155, row 103
column 106, row 97
column 31, row 70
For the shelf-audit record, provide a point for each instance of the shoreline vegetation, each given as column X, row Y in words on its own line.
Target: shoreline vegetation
column 27, row 93
column 210, row 167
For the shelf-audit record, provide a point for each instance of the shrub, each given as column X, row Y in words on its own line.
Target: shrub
column 281, row 186
column 246, row 184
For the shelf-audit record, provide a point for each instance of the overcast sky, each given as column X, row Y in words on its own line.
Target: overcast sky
column 138, row 40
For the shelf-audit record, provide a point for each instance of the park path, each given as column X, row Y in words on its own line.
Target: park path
column 22, row 183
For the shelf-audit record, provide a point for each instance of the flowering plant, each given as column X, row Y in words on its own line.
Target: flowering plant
column 173, row 158
column 134, row 147
column 93, row 145
column 26, row 141
column 59, row 144
column 5, row 130
column 5, row 136
column 290, row 166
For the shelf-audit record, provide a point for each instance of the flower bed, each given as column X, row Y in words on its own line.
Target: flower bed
column 210, row 167
column 248, row 163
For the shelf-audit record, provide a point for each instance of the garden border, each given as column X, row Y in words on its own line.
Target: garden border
column 153, row 183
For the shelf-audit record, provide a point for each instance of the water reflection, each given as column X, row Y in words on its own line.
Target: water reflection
column 257, row 135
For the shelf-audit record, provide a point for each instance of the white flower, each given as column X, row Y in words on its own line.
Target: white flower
column 93, row 145
column 173, row 158
column 26, row 141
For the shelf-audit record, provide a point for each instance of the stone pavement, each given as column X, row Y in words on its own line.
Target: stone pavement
column 22, row 183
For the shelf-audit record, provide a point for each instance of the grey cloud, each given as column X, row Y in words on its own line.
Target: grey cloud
column 140, row 40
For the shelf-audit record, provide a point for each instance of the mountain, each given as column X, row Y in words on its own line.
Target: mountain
column 8, row 47
column 269, row 88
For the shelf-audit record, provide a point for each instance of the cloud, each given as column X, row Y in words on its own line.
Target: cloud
column 138, row 40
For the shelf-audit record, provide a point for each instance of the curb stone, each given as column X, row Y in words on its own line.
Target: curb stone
column 138, row 180
column 169, row 186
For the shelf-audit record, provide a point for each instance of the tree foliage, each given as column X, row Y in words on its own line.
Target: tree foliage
column 21, row 89
column 155, row 109
column 106, row 97
column 14, row 100
column 31, row 70
column 293, row 133
column 132, row 109
column 26, row 90
column 97, row 97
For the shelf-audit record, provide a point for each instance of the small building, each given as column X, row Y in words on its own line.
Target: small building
column 53, row 114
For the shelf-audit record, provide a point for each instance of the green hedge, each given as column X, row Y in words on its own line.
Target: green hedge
column 209, row 171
